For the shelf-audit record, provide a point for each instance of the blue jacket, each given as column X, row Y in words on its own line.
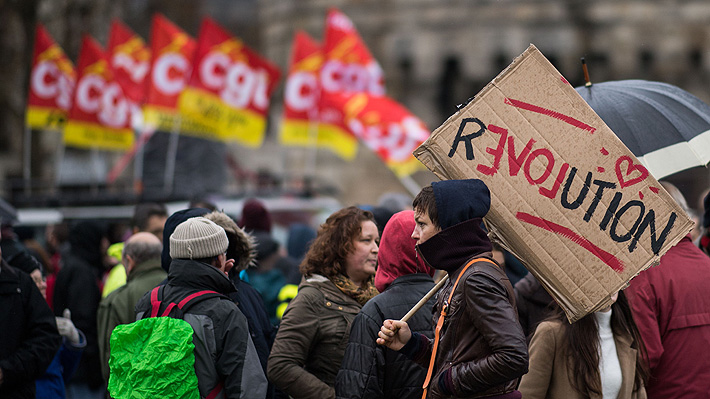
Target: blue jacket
column 52, row 384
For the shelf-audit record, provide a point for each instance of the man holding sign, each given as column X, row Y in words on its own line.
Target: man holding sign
column 479, row 348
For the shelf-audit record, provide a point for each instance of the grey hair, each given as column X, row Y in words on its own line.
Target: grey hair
column 677, row 196
column 142, row 251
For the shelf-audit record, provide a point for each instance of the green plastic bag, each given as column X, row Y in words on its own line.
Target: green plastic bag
column 153, row 358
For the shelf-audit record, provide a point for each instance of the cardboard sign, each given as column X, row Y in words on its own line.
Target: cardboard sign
column 568, row 198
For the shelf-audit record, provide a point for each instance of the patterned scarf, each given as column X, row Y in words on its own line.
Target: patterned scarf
column 355, row 292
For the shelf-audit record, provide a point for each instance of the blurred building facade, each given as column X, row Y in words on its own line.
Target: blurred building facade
column 435, row 54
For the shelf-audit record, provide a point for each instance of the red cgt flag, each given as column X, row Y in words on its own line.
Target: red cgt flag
column 230, row 87
column 172, row 52
column 100, row 114
column 349, row 66
column 300, row 125
column 385, row 126
column 51, row 83
column 130, row 60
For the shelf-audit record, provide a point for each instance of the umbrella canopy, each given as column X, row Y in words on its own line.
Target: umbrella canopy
column 667, row 128
column 8, row 214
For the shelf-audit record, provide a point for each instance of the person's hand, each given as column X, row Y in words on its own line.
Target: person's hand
column 394, row 334
column 228, row 266
column 2, row 377
column 66, row 328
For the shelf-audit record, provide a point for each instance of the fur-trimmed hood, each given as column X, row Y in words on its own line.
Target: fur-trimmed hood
column 242, row 246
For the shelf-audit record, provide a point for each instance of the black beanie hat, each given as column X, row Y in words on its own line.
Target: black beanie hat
column 460, row 200
column 265, row 245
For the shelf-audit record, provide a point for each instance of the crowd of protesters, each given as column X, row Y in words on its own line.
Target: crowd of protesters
column 317, row 314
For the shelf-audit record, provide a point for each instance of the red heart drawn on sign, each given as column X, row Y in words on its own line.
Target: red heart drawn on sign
column 629, row 170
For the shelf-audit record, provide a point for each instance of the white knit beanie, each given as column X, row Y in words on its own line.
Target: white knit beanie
column 197, row 238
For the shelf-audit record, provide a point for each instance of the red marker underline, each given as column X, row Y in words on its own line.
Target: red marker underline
column 550, row 113
column 609, row 259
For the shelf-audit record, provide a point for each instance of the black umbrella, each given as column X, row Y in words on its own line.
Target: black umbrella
column 667, row 128
column 8, row 214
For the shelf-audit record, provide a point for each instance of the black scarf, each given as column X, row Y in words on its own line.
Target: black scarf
column 450, row 248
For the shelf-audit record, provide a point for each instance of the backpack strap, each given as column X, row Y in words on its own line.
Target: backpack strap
column 156, row 301
column 216, row 391
column 195, row 298
column 156, row 295
column 440, row 323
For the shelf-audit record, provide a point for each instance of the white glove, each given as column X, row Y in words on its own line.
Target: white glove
column 66, row 328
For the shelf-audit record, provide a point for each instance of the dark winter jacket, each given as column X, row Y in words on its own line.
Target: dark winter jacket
column 373, row 371
column 482, row 349
column 533, row 302
column 311, row 340
column 77, row 289
column 252, row 306
column 224, row 351
column 262, row 332
column 28, row 333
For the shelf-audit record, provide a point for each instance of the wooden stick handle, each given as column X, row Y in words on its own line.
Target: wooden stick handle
column 426, row 297
column 587, row 81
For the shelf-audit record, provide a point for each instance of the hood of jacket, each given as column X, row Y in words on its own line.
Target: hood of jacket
column 329, row 290
column 199, row 276
column 85, row 242
column 460, row 206
column 241, row 248
column 460, row 200
column 397, row 255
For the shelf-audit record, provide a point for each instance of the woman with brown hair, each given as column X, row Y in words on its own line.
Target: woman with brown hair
column 337, row 280
column 599, row 356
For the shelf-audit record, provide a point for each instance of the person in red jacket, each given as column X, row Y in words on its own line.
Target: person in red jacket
column 671, row 307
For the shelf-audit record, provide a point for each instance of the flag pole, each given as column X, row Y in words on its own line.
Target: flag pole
column 138, row 163
column 136, row 151
column 171, row 156
column 412, row 186
column 312, row 143
column 95, row 175
column 58, row 166
column 27, row 160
